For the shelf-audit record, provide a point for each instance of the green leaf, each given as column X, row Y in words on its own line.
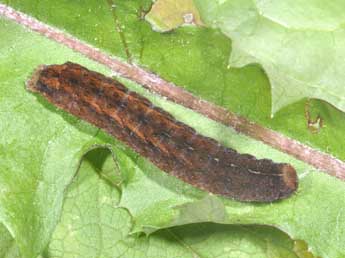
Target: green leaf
column 8, row 246
column 298, row 43
column 195, row 58
column 41, row 147
column 94, row 225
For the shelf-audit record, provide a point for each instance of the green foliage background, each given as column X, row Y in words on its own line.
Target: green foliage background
column 111, row 198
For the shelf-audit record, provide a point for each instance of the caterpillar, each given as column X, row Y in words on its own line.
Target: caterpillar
column 172, row 146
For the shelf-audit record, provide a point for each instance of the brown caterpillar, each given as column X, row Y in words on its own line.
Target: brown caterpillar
column 171, row 145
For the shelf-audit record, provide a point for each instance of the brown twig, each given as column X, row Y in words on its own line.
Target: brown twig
column 319, row 160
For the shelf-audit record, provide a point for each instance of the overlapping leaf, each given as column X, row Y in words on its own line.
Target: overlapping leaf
column 44, row 146
column 298, row 43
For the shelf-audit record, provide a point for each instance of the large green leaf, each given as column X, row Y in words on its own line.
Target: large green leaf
column 93, row 225
column 245, row 91
column 42, row 148
column 298, row 43
column 196, row 58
